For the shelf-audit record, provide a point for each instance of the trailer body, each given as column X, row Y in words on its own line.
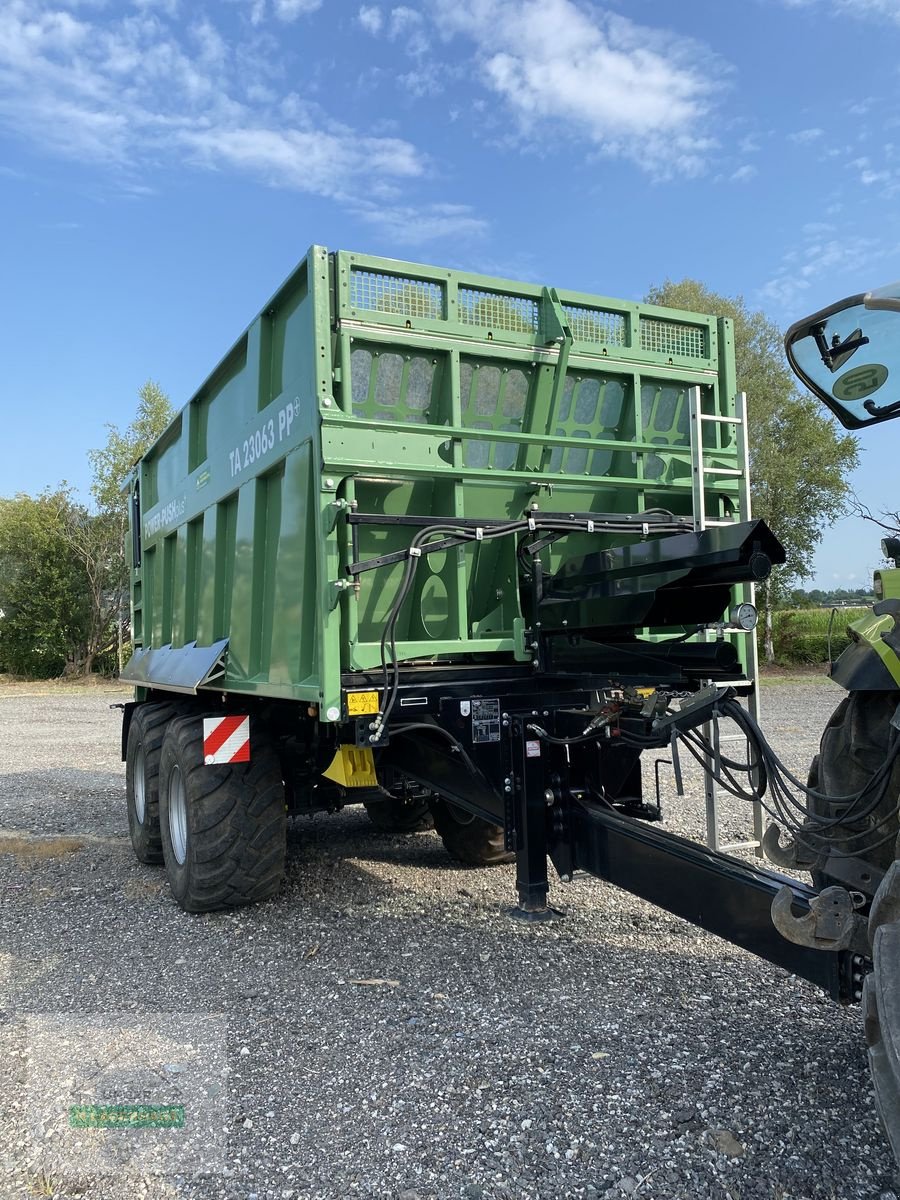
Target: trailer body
column 385, row 390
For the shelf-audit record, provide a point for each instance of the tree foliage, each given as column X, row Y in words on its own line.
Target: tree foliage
column 112, row 462
column 799, row 459
column 63, row 575
column 43, row 588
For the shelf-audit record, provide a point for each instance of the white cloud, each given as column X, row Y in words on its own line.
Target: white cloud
column 888, row 10
column 822, row 252
column 407, row 26
column 370, row 18
column 308, row 160
column 806, row 136
column 743, row 174
column 415, row 226
column 290, row 10
column 136, row 92
column 401, row 24
column 563, row 69
column 425, row 81
column 868, row 177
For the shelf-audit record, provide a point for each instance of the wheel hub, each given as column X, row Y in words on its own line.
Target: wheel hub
column 140, row 791
column 178, row 826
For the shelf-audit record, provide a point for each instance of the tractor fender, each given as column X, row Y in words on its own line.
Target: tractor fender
column 861, row 668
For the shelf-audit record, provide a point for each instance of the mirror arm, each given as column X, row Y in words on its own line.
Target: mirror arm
column 880, row 410
column 818, row 333
column 829, row 353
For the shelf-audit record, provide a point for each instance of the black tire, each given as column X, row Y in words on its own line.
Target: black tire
column 229, row 848
column 467, row 838
column 881, row 1004
column 854, row 745
column 149, row 723
column 400, row 814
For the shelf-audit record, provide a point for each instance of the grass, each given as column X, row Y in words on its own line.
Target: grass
column 13, row 685
column 26, row 847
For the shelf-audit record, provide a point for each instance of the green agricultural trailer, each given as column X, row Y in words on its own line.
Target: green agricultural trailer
column 462, row 550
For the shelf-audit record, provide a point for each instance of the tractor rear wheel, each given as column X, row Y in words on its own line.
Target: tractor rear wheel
column 854, row 745
column 467, row 838
column 881, row 1004
column 224, row 827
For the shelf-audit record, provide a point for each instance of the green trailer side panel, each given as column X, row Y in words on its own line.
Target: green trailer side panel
column 390, row 389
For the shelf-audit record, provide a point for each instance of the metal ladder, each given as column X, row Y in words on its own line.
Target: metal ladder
column 700, row 472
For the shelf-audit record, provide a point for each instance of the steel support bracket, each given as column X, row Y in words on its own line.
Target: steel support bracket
column 555, row 330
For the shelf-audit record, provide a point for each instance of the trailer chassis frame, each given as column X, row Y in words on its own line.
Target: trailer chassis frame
column 551, row 815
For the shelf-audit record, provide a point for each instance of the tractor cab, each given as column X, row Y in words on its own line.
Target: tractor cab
column 849, row 356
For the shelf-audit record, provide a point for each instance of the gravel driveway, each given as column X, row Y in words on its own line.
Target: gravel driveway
column 382, row 1028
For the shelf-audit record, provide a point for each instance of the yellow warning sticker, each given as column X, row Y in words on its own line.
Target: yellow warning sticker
column 361, row 704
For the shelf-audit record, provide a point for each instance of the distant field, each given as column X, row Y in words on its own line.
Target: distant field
column 801, row 634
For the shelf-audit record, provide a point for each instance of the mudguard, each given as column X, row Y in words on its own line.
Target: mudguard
column 863, row 667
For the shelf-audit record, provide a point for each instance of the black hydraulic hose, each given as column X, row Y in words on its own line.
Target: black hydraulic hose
column 783, row 800
column 444, row 733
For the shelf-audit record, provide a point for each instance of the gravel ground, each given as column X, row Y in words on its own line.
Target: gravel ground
column 382, row 1028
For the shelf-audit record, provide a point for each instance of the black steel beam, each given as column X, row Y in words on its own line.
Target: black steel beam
column 722, row 895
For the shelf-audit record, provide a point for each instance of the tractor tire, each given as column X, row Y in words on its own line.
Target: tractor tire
column 881, row 1004
column 224, row 827
column 399, row 814
column 854, row 745
column 149, row 723
column 467, row 838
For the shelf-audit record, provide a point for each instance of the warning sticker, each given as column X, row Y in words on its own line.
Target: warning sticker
column 533, row 749
column 226, row 739
column 485, row 720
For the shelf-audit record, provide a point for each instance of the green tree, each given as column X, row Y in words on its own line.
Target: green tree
column 63, row 574
column 99, row 543
column 799, row 460
column 43, row 587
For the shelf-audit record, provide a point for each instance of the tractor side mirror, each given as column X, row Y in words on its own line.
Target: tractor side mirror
column 849, row 356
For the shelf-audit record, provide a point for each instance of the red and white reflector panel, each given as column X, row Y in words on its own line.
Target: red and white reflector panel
column 226, row 740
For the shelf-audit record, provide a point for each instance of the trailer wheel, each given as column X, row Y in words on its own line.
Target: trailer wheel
column 224, row 827
column 142, row 753
column 399, row 814
column 468, row 838
column 854, row 744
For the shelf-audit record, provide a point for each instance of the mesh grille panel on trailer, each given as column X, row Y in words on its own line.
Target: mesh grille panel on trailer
column 518, row 314
column 670, row 337
column 378, row 292
column 596, row 325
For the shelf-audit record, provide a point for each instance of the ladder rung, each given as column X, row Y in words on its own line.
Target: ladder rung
column 722, row 471
column 720, row 420
column 707, row 524
column 738, row 846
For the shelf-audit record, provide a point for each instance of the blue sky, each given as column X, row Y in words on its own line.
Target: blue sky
column 164, row 164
